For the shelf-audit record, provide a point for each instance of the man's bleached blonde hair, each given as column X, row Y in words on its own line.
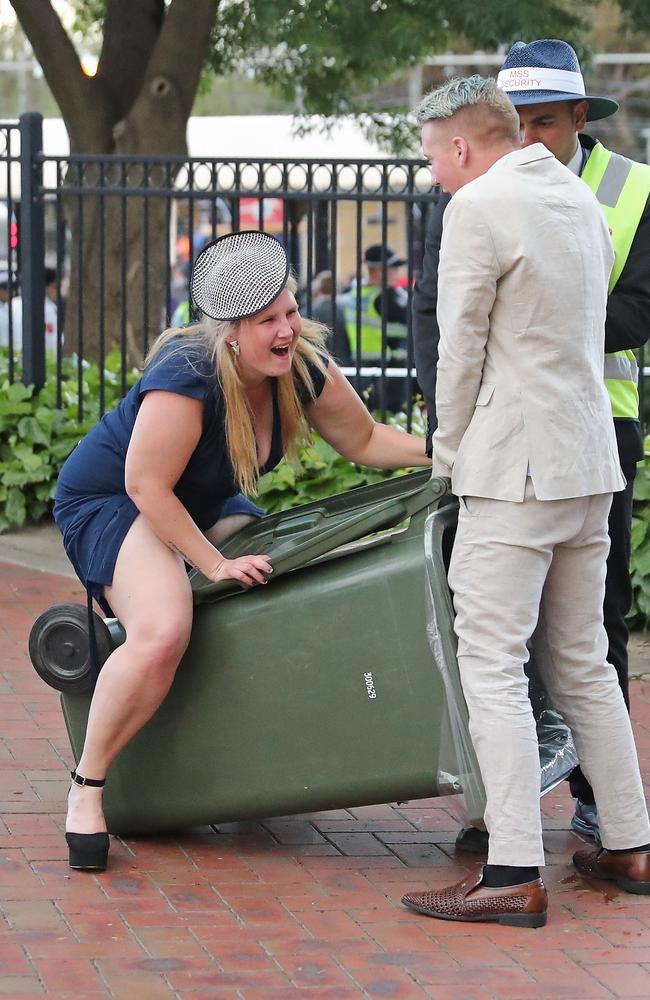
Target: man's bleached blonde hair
column 477, row 98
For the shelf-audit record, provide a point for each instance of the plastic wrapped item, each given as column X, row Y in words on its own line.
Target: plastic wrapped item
column 557, row 752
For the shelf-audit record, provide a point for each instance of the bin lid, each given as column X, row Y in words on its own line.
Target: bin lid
column 292, row 538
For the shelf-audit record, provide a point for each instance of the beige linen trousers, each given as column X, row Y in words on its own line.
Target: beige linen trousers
column 514, row 565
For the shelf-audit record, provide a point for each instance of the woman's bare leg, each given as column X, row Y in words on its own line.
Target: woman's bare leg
column 151, row 596
column 227, row 526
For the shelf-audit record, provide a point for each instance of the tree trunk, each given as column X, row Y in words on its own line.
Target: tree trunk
column 119, row 264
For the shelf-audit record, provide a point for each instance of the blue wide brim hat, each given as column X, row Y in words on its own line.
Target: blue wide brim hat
column 548, row 70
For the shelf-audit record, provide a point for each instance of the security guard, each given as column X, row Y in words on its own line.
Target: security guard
column 376, row 301
column 544, row 82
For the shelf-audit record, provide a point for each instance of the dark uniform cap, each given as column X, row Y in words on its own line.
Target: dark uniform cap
column 377, row 254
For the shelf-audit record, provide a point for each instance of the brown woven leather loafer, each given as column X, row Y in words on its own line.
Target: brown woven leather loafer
column 521, row 905
column 631, row 872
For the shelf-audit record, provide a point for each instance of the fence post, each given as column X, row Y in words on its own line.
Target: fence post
column 32, row 253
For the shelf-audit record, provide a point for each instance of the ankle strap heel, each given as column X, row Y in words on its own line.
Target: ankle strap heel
column 91, row 782
column 88, row 851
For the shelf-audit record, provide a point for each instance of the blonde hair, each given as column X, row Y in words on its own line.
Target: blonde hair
column 211, row 336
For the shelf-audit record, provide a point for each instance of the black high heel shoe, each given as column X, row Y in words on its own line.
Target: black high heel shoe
column 88, row 851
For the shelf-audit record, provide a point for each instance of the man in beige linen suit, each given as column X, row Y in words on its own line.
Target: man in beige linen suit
column 525, row 433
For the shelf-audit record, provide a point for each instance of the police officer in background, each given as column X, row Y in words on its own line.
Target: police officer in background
column 379, row 303
column 544, row 82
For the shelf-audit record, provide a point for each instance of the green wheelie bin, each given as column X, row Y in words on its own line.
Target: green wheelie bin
column 317, row 691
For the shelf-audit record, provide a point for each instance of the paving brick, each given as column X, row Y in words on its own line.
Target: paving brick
column 313, row 948
column 388, row 912
column 394, row 825
column 125, row 982
column 403, row 879
column 349, row 901
column 281, row 870
column 62, row 975
column 20, row 986
column 357, row 844
column 33, row 825
column 294, row 832
column 501, row 982
column 383, row 981
column 429, row 855
column 262, row 911
column 408, row 837
column 617, row 956
column 316, row 992
column 40, row 915
column 478, row 953
column 625, row 980
column 330, row 926
column 622, row 931
column 394, row 936
column 13, row 960
column 169, row 942
column 463, row 991
column 203, row 978
column 314, row 972
column 561, row 976
column 213, row 939
column 326, row 866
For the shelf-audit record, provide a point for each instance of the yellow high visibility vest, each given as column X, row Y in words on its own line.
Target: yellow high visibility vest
column 622, row 188
column 371, row 324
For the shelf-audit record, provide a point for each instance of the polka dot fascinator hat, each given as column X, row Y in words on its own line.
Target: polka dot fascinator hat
column 548, row 70
column 239, row 275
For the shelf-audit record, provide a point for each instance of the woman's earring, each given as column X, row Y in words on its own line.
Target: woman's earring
column 234, row 344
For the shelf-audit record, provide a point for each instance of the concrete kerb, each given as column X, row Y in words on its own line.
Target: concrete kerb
column 37, row 546
column 40, row 547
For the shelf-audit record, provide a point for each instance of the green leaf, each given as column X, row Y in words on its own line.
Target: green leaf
column 25, row 454
column 639, row 529
column 30, row 429
column 17, row 392
column 642, row 486
column 641, row 562
column 15, row 509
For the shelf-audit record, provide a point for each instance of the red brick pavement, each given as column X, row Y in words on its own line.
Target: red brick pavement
column 264, row 911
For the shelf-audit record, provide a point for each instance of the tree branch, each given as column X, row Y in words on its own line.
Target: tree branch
column 131, row 30
column 58, row 58
column 191, row 20
column 159, row 114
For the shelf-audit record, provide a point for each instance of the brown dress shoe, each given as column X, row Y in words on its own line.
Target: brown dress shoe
column 521, row 905
column 631, row 872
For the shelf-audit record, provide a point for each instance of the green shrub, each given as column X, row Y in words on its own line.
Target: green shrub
column 321, row 472
column 36, row 438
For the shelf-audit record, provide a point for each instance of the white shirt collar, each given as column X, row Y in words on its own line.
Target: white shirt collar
column 575, row 163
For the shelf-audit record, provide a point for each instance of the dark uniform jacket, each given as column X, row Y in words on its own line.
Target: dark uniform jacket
column 627, row 325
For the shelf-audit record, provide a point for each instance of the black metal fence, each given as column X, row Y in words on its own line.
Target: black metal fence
column 119, row 235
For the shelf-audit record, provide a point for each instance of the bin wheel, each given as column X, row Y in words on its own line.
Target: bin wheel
column 59, row 647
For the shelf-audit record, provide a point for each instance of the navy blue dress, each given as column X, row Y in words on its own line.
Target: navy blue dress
column 92, row 508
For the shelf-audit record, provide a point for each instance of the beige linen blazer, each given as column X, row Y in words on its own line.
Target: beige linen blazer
column 522, row 290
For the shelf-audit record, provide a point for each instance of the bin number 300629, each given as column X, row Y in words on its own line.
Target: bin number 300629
column 370, row 685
